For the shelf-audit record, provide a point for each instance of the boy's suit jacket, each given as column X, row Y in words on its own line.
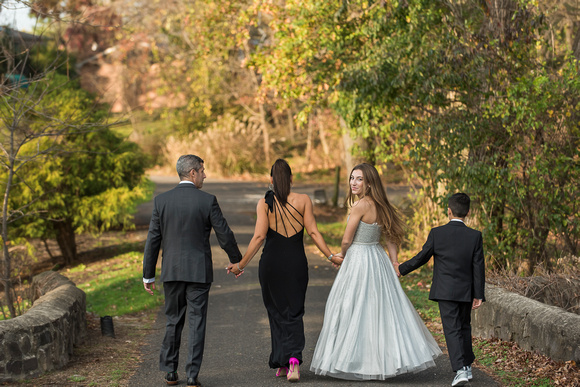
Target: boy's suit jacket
column 181, row 225
column 458, row 265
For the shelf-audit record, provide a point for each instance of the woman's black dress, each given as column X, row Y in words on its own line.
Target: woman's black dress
column 283, row 274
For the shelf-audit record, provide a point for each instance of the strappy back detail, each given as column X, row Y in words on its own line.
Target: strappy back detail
column 287, row 217
column 283, row 274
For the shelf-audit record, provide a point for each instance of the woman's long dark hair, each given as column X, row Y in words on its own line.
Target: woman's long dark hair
column 282, row 178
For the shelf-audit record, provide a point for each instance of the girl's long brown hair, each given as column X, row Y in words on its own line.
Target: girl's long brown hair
column 387, row 214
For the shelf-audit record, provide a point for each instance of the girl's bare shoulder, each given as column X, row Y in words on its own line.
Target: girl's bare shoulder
column 363, row 204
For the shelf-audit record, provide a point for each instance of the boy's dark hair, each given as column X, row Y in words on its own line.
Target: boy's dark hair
column 459, row 204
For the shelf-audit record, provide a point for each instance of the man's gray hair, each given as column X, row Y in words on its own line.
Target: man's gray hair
column 186, row 163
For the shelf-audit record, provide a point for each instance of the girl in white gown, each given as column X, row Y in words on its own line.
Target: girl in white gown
column 371, row 331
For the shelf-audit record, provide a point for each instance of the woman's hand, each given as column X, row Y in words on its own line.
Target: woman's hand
column 337, row 260
column 235, row 269
column 396, row 267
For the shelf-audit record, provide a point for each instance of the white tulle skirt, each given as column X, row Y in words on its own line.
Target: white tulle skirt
column 371, row 330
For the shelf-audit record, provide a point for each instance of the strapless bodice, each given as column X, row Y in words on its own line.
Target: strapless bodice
column 367, row 233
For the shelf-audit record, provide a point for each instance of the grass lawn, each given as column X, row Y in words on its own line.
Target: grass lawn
column 115, row 287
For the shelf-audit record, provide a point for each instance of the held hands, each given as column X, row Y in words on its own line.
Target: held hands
column 396, row 267
column 337, row 260
column 235, row 269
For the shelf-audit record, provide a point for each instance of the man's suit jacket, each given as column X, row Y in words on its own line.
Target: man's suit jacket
column 458, row 264
column 181, row 225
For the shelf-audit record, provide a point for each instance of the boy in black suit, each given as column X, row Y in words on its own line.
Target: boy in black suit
column 458, row 281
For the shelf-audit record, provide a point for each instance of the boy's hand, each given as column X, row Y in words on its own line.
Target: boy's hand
column 476, row 303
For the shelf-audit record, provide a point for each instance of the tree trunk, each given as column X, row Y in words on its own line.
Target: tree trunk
column 536, row 251
column 349, row 142
column 263, row 121
column 3, row 312
column 499, row 263
column 500, row 18
column 322, row 135
column 65, row 237
column 570, row 244
column 266, row 134
column 309, row 140
column 8, row 283
column 575, row 44
column 291, row 127
column 48, row 250
column 6, row 280
column 277, row 122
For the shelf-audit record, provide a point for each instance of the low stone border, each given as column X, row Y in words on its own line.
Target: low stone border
column 43, row 338
column 535, row 326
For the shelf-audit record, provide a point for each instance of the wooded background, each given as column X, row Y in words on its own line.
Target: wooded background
column 478, row 96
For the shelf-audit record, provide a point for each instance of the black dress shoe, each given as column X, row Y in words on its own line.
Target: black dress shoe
column 171, row 378
column 191, row 382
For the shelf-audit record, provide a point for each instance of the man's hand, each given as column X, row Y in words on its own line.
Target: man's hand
column 233, row 268
column 476, row 303
column 149, row 287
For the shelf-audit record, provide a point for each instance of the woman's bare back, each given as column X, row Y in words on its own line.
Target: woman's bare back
column 288, row 220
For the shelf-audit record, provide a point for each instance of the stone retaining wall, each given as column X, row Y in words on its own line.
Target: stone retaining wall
column 43, row 338
column 535, row 326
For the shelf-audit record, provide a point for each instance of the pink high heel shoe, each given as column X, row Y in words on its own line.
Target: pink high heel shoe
column 294, row 370
column 282, row 371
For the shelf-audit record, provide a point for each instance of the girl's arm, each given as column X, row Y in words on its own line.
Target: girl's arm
column 356, row 213
column 392, row 250
column 312, row 230
column 260, row 232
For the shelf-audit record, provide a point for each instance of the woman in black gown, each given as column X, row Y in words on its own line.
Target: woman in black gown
column 282, row 217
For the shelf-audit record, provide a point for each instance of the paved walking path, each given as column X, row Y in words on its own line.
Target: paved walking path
column 238, row 335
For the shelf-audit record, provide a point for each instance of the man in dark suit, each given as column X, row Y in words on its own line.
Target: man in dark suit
column 180, row 226
column 458, row 281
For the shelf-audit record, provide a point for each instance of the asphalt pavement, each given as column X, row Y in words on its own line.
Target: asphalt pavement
column 238, row 334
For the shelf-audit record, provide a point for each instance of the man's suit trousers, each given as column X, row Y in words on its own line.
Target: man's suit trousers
column 183, row 298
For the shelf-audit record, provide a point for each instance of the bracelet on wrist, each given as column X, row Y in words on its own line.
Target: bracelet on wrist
column 239, row 269
column 330, row 257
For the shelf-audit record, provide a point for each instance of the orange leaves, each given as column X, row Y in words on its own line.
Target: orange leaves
column 524, row 367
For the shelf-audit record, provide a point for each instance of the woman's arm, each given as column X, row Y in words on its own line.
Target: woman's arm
column 356, row 213
column 260, row 232
column 312, row 230
column 392, row 250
